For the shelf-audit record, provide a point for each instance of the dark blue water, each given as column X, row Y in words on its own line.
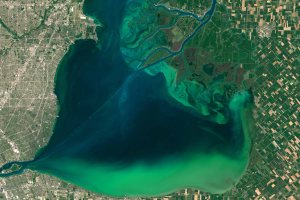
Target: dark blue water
column 91, row 82
column 111, row 114
column 105, row 107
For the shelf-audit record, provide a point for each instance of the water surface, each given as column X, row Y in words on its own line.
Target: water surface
column 123, row 131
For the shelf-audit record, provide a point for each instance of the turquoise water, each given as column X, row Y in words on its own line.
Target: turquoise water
column 124, row 131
